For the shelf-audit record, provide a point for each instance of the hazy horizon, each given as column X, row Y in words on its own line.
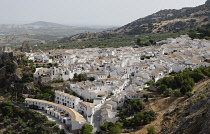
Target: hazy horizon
column 85, row 13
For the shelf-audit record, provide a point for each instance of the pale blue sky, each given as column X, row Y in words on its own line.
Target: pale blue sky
column 85, row 12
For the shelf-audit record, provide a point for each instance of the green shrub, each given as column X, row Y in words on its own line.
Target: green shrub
column 177, row 93
column 189, row 94
column 201, row 96
column 33, row 107
column 87, row 129
column 6, row 120
column 151, row 130
column 58, row 81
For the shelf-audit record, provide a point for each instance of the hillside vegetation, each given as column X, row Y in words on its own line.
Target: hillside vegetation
column 114, row 41
column 14, row 120
column 201, row 32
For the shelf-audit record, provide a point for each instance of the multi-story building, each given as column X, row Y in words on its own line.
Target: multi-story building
column 66, row 99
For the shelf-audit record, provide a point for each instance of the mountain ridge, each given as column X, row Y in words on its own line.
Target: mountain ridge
column 168, row 20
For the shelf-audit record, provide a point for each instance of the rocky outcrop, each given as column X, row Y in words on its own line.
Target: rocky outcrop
column 6, row 56
column 25, row 47
column 14, row 80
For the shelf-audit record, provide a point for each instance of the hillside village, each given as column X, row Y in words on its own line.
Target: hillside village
column 112, row 75
column 68, row 71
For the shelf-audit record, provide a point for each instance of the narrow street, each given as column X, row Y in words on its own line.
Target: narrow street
column 57, row 121
column 96, row 121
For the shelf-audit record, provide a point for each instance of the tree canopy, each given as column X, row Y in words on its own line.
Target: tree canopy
column 111, row 128
column 202, row 32
column 10, row 67
column 16, row 120
column 87, row 129
column 182, row 82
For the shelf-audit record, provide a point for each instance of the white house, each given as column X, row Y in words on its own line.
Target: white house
column 66, row 99
column 87, row 110
column 108, row 115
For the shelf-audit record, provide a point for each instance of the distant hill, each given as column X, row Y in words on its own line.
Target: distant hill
column 170, row 20
column 46, row 24
column 39, row 32
column 46, row 28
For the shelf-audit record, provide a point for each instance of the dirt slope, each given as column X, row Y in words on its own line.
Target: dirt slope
column 160, row 106
column 166, row 105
